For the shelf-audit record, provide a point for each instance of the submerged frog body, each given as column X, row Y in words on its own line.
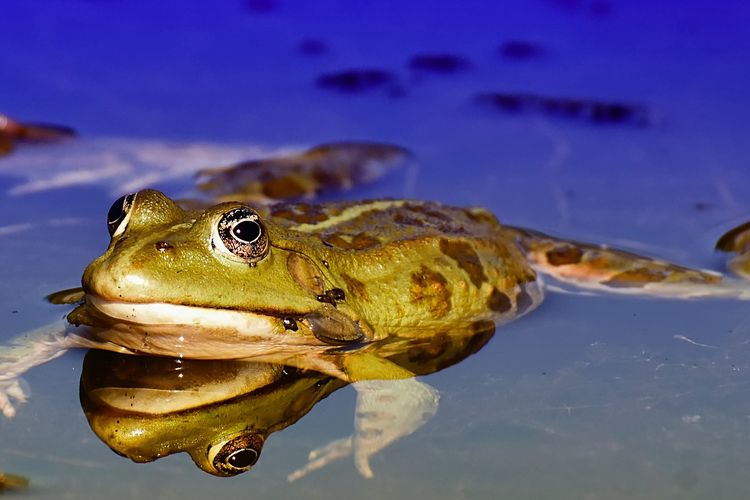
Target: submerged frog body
column 340, row 288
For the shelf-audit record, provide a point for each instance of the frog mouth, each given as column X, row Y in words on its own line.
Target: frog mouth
column 162, row 313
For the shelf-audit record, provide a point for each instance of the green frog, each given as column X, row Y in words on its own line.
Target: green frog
column 297, row 281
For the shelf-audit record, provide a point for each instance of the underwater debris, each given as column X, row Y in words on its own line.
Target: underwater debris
column 438, row 63
column 600, row 112
column 353, row 81
column 312, row 47
column 520, row 50
column 12, row 131
column 262, row 6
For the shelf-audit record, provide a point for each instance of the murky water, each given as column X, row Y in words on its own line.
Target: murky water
column 588, row 397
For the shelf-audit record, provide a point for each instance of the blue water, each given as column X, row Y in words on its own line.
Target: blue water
column 588, row 397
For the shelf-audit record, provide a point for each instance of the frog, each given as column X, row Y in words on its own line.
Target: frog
column 13, row 131
column 232, row 274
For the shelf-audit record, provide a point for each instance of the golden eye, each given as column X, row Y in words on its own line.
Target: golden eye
column 119, row 214
column 237, row 455
column 242, row 234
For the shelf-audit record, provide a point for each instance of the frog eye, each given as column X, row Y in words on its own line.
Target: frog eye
column 119, row 214
column 237, row 455
column 241, row 234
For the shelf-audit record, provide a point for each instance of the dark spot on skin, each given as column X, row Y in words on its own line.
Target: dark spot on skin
column 290, row 324
column 356, row 287
column 520, row 50
column 163, row 246
column 326, row 265
column 426, row 352
column 427, row 216
column 438, row 63
column 499, row 302
column 302, row 213
column 466, row 258
column 354, row 81
column 564, row 255
column 483, row 331
column 359, row 241
column 430, row 290
column 524, row 300
column 635, row 278
column 312, row 47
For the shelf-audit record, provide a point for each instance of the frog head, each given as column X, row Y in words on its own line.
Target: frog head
column 225, row 267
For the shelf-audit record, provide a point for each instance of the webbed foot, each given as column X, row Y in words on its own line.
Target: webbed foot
column 387, row 410
column 11, row 390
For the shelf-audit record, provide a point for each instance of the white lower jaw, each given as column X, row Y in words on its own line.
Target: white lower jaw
column 160, row 313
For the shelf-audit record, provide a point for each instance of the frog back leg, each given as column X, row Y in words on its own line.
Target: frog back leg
column 737, row 241
column 324, row 169
column 602, row 268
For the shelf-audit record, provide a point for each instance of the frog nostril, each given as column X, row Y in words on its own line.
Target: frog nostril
column 164, row 246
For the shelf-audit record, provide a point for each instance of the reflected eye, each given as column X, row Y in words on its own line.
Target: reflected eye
column 237, row 455
column 119, row 214
column 241, row 234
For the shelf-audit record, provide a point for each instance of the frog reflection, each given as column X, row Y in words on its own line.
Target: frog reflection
column 222, row 412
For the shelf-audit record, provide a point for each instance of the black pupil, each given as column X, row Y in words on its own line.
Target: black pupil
column 242, row 459
column 247, row 231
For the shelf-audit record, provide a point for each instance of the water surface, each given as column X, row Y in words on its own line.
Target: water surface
column 588, row 397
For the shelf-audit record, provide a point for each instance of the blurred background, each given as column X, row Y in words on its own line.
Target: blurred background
column 601, row 120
